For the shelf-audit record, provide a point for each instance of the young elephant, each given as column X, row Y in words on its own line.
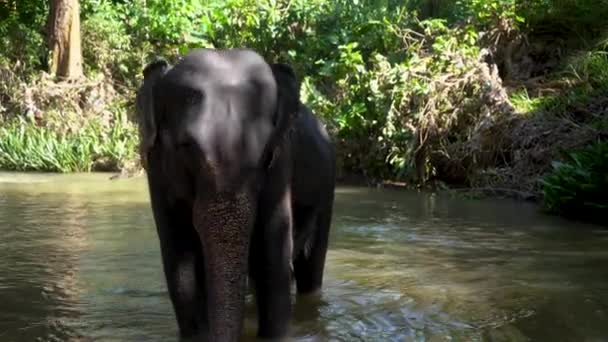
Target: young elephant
column 241, row 178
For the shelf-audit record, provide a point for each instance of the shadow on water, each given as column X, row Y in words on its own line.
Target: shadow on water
column 80, row 261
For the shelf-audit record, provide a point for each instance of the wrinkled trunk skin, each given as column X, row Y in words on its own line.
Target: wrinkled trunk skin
column 224, row 225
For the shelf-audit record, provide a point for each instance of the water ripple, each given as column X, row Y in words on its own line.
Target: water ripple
column 80, row 262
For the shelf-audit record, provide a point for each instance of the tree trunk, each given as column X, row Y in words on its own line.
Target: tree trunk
column 64, row 39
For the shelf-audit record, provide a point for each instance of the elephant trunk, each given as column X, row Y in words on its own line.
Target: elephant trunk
column 224, row 226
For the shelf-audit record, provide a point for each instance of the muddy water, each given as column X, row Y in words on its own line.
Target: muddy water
column 79, row 261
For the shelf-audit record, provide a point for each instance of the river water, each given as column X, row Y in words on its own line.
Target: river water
column 79, row 261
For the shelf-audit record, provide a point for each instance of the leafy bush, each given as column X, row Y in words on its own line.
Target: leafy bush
column 583, row 78
column 489, row 12
column 22, row 43
column 109, row 49
column 578, row 185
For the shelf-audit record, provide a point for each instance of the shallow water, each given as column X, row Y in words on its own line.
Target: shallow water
column 79, row 261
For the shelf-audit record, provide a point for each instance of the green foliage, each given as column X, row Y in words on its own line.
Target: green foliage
column 21, row 34
column 524, row 103
column 107, row 46
column 360, row 61
column 582, row 20
column 400, row 94
column 585, row 77
column 25, row 146
column 591, row 69
column 490, row 12
column 361, row 64
column 578, row 185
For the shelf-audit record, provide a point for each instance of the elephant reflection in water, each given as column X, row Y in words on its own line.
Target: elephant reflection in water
column 241, row 177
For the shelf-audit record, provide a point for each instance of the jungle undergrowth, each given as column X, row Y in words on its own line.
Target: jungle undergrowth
column 477, row 94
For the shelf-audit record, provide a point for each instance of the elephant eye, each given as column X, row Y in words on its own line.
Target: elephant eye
column 256, row 85
column 186, row 142
column 191, row 100
column 193, row 97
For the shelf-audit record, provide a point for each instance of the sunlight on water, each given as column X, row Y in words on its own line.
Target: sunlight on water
column 80, row 262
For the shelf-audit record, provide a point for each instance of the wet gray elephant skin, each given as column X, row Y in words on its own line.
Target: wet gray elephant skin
column 241, row 177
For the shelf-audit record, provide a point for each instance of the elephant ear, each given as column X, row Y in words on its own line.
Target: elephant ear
column 288, row 106
column 146, row 115
column 288, row 88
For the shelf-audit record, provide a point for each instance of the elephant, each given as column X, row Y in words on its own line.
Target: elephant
column 241, row 179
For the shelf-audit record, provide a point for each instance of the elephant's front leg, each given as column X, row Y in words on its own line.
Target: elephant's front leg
column 271, row 268
column 184, row 273
column 183, row 264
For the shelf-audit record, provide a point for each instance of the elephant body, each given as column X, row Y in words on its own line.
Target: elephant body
column 241, row 178
column 313, row 184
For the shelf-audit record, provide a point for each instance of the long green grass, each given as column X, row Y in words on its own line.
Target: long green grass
column 587, row 74
column 24, row 146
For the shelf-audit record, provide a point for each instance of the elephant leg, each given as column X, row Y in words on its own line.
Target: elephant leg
column 309, row 264
column 183, row 265
column 183, row 269
column 271, row 269
column 305, row 225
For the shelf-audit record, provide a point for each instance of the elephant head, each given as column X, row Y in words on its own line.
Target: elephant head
column 210, row 126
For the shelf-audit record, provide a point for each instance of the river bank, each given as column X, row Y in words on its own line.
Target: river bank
column 483, row 97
